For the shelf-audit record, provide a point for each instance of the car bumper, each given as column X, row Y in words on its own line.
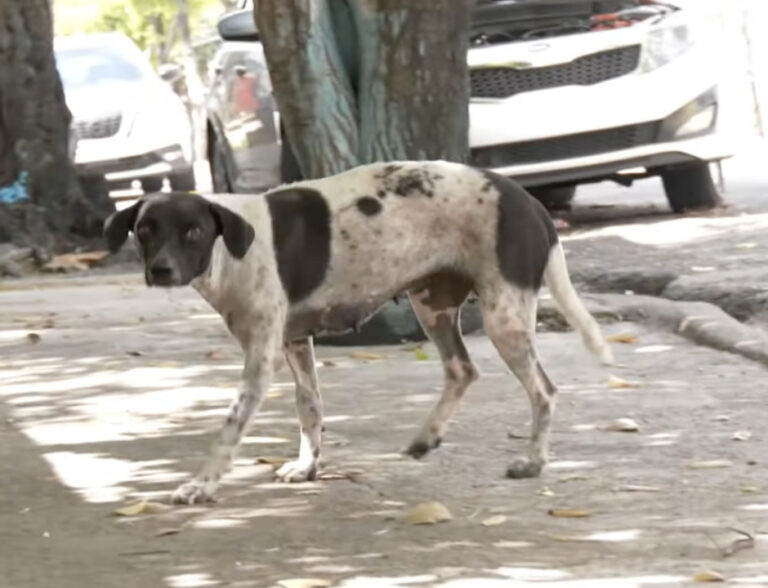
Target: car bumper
column 157, row 162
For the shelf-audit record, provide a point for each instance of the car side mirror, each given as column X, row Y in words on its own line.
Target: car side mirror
column 168, row 72
column 238, row 26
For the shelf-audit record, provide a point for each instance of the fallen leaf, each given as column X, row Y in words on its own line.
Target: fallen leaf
column 134, row 353
column 304, row 583
column 494, row 521
column 722, row 418
column 567, row 513
column 427, row 513
column 708, row 576
column 168, row 531
column 365, row 355
column 741, row 436
column 513, row 435
column 213, row 354
column 567, row 538
column 616, row 382
column 33, row 338
column 141, row 507
column 545, row 492
column 328, row 363
column 746, row 245
column 623, row 425
column 273, row 460
column 637, row 488
column 420, row 355
column 274, row 394
column 573, row 478
column 749, row 489
column 627, row 338
column 710, row 464
column 413, row 347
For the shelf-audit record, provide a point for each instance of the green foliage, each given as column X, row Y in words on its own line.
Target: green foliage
column 149, row 23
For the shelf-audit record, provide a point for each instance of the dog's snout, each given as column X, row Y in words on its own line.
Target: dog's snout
column 161, row 271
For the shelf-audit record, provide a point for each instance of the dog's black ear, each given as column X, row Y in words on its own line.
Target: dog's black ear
column 238, row 234
column 116, row 227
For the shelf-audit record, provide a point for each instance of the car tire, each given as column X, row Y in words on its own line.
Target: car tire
column 183, row 181
column 554, row 197
column 690, row 187
column 154, row 184
column 218, row 165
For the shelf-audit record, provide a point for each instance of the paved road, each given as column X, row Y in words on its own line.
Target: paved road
column 120, row 395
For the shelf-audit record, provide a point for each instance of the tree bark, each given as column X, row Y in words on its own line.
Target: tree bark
column 358, row 81
column 34, row 134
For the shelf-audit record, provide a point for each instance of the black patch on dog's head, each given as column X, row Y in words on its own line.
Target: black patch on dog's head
column 524, row 233
column 175, row 234
column 368, row 206
column 301, row 233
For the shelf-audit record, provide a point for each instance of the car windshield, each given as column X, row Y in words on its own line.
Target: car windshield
column 80, row 67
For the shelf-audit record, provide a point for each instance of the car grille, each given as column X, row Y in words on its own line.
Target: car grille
column 502, row 82
column 567, row 146
column 98, row 128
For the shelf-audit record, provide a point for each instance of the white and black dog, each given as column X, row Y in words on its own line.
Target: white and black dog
column 323, row 255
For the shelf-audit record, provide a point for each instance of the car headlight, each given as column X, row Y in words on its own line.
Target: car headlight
column 665, row 45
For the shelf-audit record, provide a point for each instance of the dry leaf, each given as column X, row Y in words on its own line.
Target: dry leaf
column 420, row 355
column 722, row 418
column 213, row 354
column 710, row 464
column 365, row 355
column 749, row 489
column 274, row 460
column 494, row 521
column 627, row 338
column 746, row 245
column 708, row 576
column 328, row 363
column 134, row 353
column 616, row 382
column 567, row 538
column 566, row 513
column 637, row 488
column 623, row 425
column 545, row 492
column 413, row 347
column 304, row 583
column 141, row 507
column 168, row 531
column 427, row 513
column 741, row 435
column 33, row 338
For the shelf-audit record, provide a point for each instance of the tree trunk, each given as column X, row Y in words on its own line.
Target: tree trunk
column 34, row 134
column 358, row 81
column 194, row 83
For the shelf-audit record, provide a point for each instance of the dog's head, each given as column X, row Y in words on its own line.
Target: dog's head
column 175, row 234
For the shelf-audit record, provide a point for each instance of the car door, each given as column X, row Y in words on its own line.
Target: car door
column 251, row 125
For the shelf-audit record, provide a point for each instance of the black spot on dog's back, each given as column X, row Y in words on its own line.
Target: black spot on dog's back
column 368, row 206
column 524, row 233
column 301, row 232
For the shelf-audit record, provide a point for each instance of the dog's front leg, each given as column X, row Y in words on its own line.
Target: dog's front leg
column 300, row 356
column 256, row 378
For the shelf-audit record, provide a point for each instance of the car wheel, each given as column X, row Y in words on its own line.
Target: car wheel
column 218, row 163
column 554, row 197
column 154, row 184
column 690, row 187
column 183, row 181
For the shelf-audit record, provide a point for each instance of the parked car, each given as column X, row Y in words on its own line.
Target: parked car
column 128, row 124
column 563, row 92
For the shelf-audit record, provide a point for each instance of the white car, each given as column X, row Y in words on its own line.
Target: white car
column 564, row 92
column 128, row 123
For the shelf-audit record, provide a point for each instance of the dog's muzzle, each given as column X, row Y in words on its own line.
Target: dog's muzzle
column 162, row 274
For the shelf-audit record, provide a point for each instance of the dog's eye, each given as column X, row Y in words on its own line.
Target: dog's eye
column 143, row 231
column 193, row 234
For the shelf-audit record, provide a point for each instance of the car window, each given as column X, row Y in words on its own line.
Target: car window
column 81, row 67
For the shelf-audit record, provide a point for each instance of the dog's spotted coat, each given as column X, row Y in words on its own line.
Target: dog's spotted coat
column 323, row 255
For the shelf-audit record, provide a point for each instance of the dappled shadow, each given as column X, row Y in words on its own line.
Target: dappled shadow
column 120, row 408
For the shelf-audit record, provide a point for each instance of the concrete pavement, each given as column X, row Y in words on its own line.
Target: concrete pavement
column 119, row 392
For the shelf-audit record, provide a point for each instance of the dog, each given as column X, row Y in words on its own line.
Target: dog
column 321, row 256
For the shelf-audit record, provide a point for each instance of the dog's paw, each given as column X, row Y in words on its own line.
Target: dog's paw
column 194, row 492
column 523, row 467
column 297, row 471
column 419, row 447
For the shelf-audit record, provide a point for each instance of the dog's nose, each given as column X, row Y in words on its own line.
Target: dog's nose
column 161, row 272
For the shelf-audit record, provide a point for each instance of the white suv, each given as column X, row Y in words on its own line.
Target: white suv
column 565, row 92
column 128, row 123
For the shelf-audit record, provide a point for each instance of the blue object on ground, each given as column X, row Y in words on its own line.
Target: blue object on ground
column 15, row 192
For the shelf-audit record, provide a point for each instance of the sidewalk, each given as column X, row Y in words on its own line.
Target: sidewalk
column 119, row 398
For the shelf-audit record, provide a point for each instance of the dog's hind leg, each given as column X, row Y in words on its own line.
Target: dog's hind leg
column 437, row 306
column 300, row 356
column 509, row 318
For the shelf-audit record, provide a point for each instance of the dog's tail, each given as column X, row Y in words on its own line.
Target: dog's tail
column 568, row 301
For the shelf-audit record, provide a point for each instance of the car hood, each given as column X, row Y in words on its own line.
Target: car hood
column 111, row 98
